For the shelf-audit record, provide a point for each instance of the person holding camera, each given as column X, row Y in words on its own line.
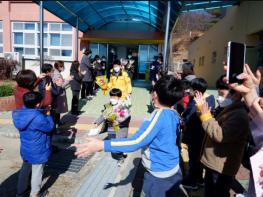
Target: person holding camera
column 27, row 81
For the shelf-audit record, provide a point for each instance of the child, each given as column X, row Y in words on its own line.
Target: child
column 116, row 116
column 34, row 127
column 120, row 79
column 157, row 138
column 194, row 134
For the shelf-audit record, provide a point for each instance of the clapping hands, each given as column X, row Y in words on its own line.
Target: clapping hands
column 201, row 103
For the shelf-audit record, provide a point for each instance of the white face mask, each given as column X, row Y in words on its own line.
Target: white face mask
column 114, row 101
column 223, row 102
column 117, row 69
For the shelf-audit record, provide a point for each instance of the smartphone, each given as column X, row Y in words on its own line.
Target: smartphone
column 236, row 54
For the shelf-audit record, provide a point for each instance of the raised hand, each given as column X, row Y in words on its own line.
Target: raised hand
column 199, row 100
column 42, row 76
column 248, row 83
column 91, row 145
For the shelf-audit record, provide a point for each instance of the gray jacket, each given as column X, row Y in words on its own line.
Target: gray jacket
column 85, row 65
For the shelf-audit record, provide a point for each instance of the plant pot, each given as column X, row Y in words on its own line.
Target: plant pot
column 7, row 103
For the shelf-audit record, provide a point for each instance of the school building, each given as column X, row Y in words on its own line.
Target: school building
column 241, row 23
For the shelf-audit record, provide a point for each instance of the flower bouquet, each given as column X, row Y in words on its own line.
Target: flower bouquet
column 102, row 82
column 110, row 116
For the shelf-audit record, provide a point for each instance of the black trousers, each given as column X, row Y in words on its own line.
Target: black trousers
column 87, row 89
column 216, row 184
column 75, row 102
column 195, row 166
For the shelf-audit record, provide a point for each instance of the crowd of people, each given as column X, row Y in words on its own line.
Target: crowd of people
column 218, row 138
column 191, row 138
column 41, row 100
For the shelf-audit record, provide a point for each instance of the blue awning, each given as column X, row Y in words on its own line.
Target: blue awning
column 95, row 14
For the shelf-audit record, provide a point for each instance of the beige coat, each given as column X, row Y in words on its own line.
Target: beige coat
column 225, row 139
column 61, row 102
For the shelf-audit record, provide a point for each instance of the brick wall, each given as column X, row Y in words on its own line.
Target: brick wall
column 7, row 103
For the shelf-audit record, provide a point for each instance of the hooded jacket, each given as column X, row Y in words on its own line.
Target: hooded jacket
column 34, row 128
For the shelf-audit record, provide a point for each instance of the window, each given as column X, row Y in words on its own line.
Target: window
column 66, row 40
column 29, row 39
column 55, row 39
column 30, row 26
column 213, row 60
column 54, row 52
column 19, row 50
column 29, row 51
column 1, row 50
column 54, row 27
column 203, row 61
column 18, row 26
column 66, row 53
column 94, row 47
column 1, row 38
column 45, row 39
column 1, row 25
column 58, row 39
column 66, row 27
column 18, row 38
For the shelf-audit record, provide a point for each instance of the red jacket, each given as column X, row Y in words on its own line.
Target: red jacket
column 19, row 93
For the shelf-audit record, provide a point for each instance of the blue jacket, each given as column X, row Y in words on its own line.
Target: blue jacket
column 194, row 133
column 35, row 128
column 157, row 137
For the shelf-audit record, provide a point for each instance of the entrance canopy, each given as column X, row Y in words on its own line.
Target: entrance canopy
column 93, row 15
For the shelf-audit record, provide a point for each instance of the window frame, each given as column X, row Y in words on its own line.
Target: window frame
column 47, row 45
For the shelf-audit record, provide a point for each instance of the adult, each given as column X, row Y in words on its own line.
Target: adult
column 62, row 104
column 248, row 88
column 188, row 71
column 75, row 85
column 56, row 89
column 225, row 141
column 103, row 64
column 119, row 79
column 27, row 81
column 88, row 78
column 130, row 68
column 99, row 68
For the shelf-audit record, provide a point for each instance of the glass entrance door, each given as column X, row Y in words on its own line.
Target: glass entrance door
column 146, row 56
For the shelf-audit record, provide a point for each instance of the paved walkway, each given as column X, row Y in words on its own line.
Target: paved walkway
column 97, row 175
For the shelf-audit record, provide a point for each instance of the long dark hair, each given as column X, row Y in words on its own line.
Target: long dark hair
column 74, row 66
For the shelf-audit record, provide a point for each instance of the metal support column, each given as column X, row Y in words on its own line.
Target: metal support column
column 165, row 56
column 77, row 40
column 41, row 19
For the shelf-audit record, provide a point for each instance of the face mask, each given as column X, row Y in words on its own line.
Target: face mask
column 223, row 102
column 114, row 101
column 129, row 56
column 116, row 69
